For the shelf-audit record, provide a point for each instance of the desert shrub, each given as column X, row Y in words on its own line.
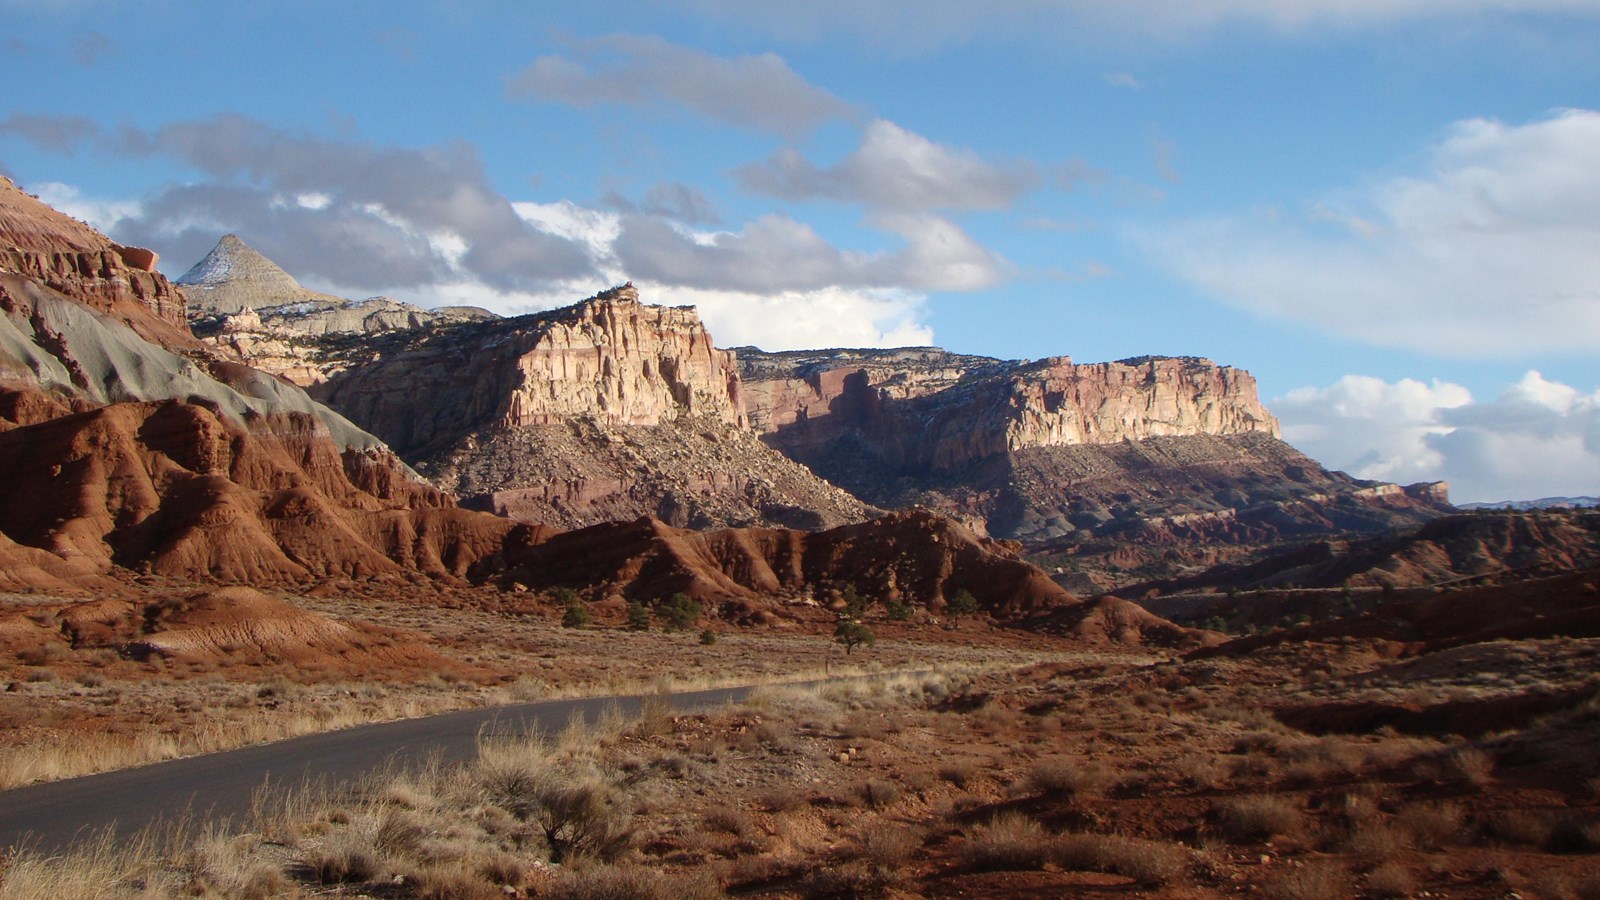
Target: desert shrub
column 897, row 611
column 1391, row 880
column 1060, row 776
column 1201, row 772
column 678, row 612
column 1010, row 841
column 1258, row 818
column 875, row 792
column 1469, row 766
column 1313, row 882
column 962, row 604
column 347, row 856
column 1375, row 841
column 576, row 616
column 879, row 856
column 959, row 774
column 638, row 616
column 1430, row 824
column 730, row 820
column 579, row 813
column 655, row 717
column 631, row 883
column 708, row 637
column 782, row 799
column 1571, row 834
column 1528, row 827
column 1147, row 862
column 454, row 880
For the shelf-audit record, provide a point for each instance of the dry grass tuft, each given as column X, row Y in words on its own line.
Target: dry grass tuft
column 1147, row 862
column 1391, row 880
column 1011, row 841
column 1061, row 777
column 1259, row 817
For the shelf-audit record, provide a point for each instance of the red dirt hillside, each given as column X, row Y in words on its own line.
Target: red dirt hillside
column 914, row 557
column 183, row 491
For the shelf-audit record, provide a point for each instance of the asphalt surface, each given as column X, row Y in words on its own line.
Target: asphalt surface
column 49, row 818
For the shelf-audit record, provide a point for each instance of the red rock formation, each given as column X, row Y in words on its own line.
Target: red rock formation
column 181, row 490
column 68, row 256
column 913, row 557
column 923, row 408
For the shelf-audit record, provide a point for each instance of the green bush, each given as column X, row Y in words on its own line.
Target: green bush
column 638, row 616
column 678, row 612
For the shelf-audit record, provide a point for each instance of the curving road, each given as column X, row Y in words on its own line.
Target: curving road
column 48, row 818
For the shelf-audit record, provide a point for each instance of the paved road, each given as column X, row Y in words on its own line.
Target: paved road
column 48, row 817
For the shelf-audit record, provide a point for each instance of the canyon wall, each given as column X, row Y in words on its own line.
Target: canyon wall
column 927, row 409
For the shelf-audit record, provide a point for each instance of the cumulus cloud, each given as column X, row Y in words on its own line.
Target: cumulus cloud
column 1539, row 438
column 758, row 91
column 1490, row 251
column 775, row 254
column 382, row 217
column 934, row 23
column 895, row 169
column 765, row 310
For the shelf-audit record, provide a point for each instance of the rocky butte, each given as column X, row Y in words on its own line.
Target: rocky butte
column 614, row 408
column 1149, row 449
column 606, row 410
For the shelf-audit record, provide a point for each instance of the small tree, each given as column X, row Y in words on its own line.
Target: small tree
column 638, row 616
column 851, row 634
column 678, row 612
column 899, row 612
column 854, row 605
column 576, row 616
column 962, row 604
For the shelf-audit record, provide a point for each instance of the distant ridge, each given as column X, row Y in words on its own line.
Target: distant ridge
column 1541, row 503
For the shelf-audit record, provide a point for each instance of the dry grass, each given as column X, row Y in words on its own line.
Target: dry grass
column 1259, row 817
column 1010, row 841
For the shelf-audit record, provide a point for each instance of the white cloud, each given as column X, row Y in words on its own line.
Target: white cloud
column 769, row 315
column 100, row 213
column 1537, row 439
column 895, row 169
column 759, row 91
column 1491, row 251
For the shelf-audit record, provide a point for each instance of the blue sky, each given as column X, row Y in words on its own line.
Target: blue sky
column 1387, row 210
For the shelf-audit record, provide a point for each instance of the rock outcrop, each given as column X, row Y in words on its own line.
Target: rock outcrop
column 609, row 409
column 1150, row 449
column 56, row 251
column 178, row 488
column 249, row 308
column 234, row 277
column 922, row 408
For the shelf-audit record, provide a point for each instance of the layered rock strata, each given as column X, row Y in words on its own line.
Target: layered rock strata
column 56, row 251
column 609, row 409
column 1050, row 450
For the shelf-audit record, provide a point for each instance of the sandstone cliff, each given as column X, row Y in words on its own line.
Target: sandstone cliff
column 1080, row 458
column 923, row 408
column 609, row 409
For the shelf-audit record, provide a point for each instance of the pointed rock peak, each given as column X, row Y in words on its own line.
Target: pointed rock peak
column 234, row 260
column 234, row 276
